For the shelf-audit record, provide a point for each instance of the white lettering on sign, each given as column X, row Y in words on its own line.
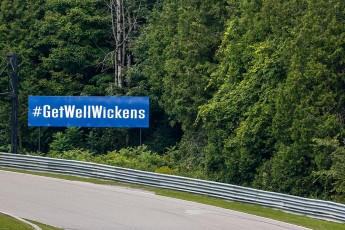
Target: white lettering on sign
column 90, row 111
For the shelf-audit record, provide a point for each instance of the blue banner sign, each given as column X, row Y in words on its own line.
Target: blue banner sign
column 89, row 111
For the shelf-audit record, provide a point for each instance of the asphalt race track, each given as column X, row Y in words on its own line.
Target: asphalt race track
column 78, row 206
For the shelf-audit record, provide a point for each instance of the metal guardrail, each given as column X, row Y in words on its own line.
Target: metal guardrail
column 325, row 210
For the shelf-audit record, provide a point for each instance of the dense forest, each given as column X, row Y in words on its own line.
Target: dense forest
column 247, row 92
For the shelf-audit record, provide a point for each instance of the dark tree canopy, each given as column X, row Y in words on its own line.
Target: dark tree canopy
column 244, row 92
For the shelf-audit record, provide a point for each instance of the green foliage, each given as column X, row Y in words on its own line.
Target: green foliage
column 72, row 40
column 16, row 34
column 60, row 45
column 331, row 168
column 279, row 86
column 245, row 92
column 164, row 170
column 136, row 158
column 74, row 154
column 176, row 50
column 71, row 138
column 8, row 222
column 5, row 148
column 186, row 158
column 310, row 103
column 5, row 126
column 239, row 115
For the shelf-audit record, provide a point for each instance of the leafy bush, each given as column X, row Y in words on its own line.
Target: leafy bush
column 5, row 148
column 74, row 154
column 136, row 158
column 70, row 139
column 164, row 170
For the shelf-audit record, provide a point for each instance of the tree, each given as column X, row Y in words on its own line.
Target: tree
column 16, row 35
column 279, row 86
column 175, row 55
column 126, row 17
column 71, row 139
column 311, row 102
column 239, row 116
column 176, row 51
column 60, row 44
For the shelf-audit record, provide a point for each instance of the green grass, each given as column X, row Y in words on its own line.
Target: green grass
column 257, row 210
column 10, row 223
column 246, row 208
column 44, row 226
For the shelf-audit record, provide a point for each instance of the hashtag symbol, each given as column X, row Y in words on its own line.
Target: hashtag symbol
column 37, row 111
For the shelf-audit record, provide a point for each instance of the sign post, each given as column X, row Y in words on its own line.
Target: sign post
column 13, row 62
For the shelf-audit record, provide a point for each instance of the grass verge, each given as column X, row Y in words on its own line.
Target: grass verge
column 299, row 220
column 44, row 226
column 10, row 223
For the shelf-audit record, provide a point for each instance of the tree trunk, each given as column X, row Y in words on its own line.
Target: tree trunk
column 119, row 41
column 123, row 23
column 113, row 55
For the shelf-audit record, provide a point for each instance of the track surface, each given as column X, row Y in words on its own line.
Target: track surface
column 83, row 206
